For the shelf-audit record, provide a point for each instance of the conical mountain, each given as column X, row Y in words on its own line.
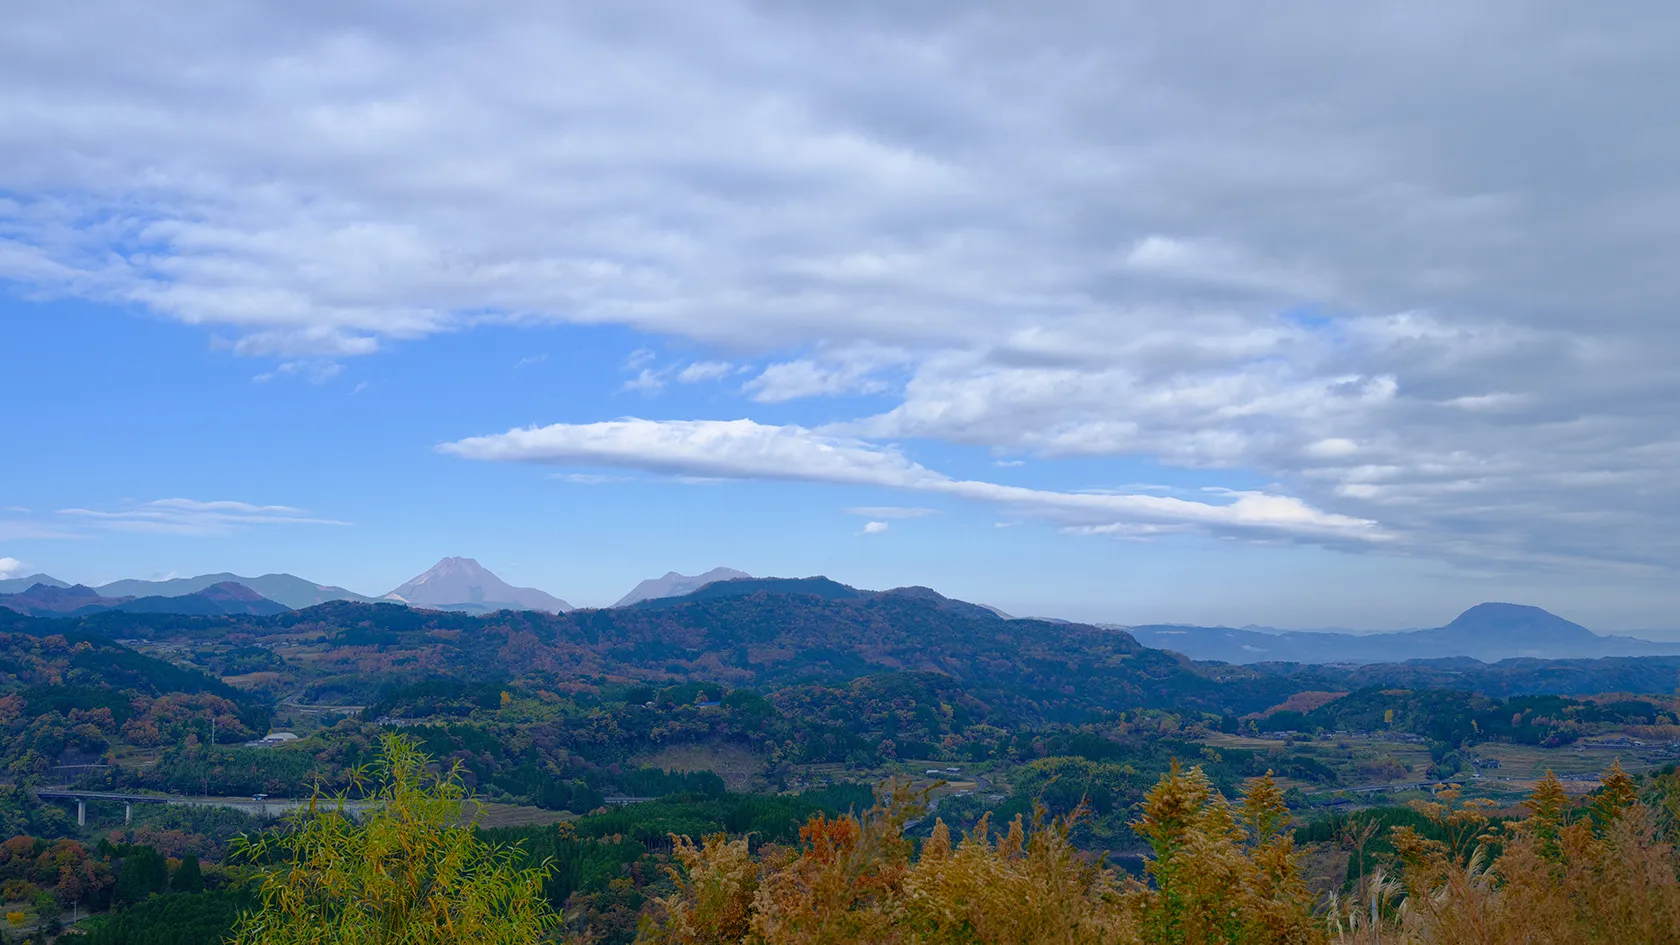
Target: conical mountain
column 464, row 584
column 1518, row 625
column 676, row 585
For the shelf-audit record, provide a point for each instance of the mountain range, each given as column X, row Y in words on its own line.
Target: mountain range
column 1486, row 632
column 294, row 592
column 460, row 584
column 224, row 599
column 770, row 633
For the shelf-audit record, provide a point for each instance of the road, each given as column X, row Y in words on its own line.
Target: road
column 266, row 807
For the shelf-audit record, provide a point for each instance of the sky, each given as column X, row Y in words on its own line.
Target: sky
column 1297, row 314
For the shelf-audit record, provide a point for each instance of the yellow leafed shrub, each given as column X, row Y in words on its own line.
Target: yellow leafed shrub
column 405, row 871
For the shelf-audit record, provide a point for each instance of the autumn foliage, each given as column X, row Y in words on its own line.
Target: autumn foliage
column 1222, row 872
column 405, row 870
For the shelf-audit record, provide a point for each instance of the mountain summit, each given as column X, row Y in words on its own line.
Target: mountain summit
column 676, row 585
column 1519, row 625
column 464, row 584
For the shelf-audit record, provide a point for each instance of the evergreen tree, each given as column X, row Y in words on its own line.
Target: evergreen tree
column 188, row 877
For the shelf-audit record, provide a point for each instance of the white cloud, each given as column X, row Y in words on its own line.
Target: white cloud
column 647, row 380
column 724, row 449
column 314, row 371
column 791, row 380
column 529, row 360
column 191, row 517
column 890, row 511
column 1090, row 234
column 586, row 479
column 743, row 449
column 705, row 371
column 10, row 567
column 875, row 528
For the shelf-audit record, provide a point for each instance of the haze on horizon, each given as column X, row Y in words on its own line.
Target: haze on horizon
column 1330, row 316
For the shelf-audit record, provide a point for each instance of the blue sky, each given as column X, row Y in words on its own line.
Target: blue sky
column 590, row 295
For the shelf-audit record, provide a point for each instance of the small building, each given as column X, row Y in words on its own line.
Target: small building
column 271, row 740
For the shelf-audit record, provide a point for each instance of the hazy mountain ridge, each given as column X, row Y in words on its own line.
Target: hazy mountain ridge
column 673, row 584
column 1487, row 632
column 464, row 584
column 45, row 600
column 224, row 599
column 228, row 597
column 22, row 584
column 288, row 589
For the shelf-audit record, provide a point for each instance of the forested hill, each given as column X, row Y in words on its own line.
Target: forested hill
column 35, row 652
column 769, row 635
column 764, row 637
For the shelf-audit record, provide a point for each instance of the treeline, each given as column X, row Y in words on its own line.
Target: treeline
column 1455, row 718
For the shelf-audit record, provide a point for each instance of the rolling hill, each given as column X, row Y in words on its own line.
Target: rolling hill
column 761, row 633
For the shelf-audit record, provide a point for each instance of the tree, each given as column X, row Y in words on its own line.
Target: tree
column 408, row 870
column 188, row 877
column 144, row 871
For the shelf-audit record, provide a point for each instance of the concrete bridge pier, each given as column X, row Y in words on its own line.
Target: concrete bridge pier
column 128, row 812
column 81, row 813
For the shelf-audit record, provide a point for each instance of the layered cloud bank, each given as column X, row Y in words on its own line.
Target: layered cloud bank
column 743, row 449
column 1412, row 262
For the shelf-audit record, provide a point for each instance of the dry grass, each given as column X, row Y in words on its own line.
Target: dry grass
column 739, row 767
column 486, row 814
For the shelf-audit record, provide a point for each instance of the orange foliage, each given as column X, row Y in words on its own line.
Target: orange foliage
column 1223, row 872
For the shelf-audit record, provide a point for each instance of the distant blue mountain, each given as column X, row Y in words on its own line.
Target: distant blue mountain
column 19, row 585
column 217, row 600
column 1486, row 632
column 742, row 587
column 288, row 589
column 821, row 587
column 676, row 585
column 224, row 599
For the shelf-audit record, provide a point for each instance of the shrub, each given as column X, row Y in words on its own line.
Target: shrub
column 406, row 871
